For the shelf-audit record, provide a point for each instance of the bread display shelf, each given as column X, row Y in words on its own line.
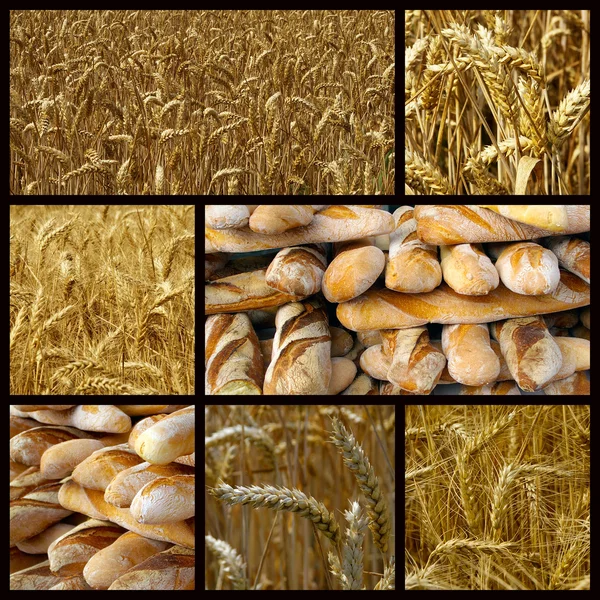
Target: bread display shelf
column 367, row 270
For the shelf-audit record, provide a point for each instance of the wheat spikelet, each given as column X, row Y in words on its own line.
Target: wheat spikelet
column 231, row 562
column 352, row 551
column 280, row 498
column 568, row 114
column 356, row 460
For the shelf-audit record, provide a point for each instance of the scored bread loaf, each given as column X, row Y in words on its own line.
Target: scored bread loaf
column 226, row 216
column 60, row 460
column 468, row 271
column 301, row 359
column 234, row 363
column 334, row 224
column 170, row 438
column 575, row 385
column 109, row 563
column 386, row 309
column 573, row 254
column 76, row 498
column 447, row 224
column 165, row 500
column 36, row 577
column 353, row 271
column 413, row 267
column 172, row 569
column 298, row 270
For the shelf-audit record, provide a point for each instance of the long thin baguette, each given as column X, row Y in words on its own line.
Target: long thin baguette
column 173, row 569
column 386, row 309
column 446, row 224
column 165, row 500
column 170, row 438
column 76, row 498
column 60, row 460
column 334, row 224
column 552, row 217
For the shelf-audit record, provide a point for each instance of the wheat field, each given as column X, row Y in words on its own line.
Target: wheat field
column 102, row 300
column 209, row 102
column 497, row 497
column 497, row 102
column 300, row 497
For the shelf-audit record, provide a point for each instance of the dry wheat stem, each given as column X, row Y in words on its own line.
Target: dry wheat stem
column 280, row 498
column 356, row 460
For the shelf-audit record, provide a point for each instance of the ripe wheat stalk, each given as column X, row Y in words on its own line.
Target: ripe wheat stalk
column 491, row 99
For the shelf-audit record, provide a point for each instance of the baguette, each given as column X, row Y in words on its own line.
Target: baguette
column 529, row 269
column 234, row 363
column 141, row 426
column 413, row 266
column 552, row 217
column 74, row 497
column 37, row 577
column 468, row 271
column 26, row 482
column 173, row 569
column 226, row 216
column 129, row 550
column 334, row 224
column 573, row 254
column 28, row 447
column 242, row 292
column 353, row 271
column 297, row 271
column 94, row 417
column 447, row 224
column 576, row 385
column 69, row 553
column 271, row 219
column 170, row 438
column 532, row 355
column 39, row 544
column 98, row 469
column 60, row 460
column 301, row 359
column 123, row 488
column 385, row 309
column 20, row 424
column 471, row 359
column 35, row 512
column 375, row 363
column 165, row 500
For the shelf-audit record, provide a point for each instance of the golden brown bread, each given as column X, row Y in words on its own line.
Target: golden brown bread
column 60, row 460
column 552, row 217
column 386, row 309
column 573, row 254
column 298, row 270
column 28, row 447
column 165, row 500
column 37, row 577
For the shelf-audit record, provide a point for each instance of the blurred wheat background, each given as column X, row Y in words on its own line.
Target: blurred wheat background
column 262, row 462
column 102, row 300
column 497, row 497
column 202, row 102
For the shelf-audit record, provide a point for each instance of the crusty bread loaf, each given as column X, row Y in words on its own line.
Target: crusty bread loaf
column 242, row 292
column 575, row 385
column 353, row 271
column 69, row 553
column 39, row 544
column 363, row 385
column 375, row 363
column 573, row 254
column 98, row 469
column 226, row 216
column 60, row 460
column 272, row 219
column 471, row 360
column 531, row 353
column 468, row 271
column 170, row 438
column 552, row 217
column 27, row 481
column 36, row 577
column 298, row 270
column 341, row 341
column 28, row 447
column 173, row 569
column 91, row 503
column 301, row 360
column 413, row 267
column 234, row 363
column 386, row 309
column 529, row 269
column 108, row 564
column 165, row 500
column 447, row 224
column 334, row 224
column 123, row 488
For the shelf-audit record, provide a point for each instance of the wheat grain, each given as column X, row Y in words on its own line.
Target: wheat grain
column 279, row 498
column 231, row 562
column 352, row 551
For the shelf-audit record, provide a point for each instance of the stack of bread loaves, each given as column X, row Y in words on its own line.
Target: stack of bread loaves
column 494, row 298
column 102, row 497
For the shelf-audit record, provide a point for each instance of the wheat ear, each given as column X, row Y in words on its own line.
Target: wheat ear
column 280, row 498
column 353, row 552
column 356, row 460
column 231, row 562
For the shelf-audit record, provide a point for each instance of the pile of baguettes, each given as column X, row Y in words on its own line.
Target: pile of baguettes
column 504, row 288
column 102, row 497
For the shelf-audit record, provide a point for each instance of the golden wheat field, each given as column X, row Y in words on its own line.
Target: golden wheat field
column 202, row 102
column 497, row 497
column 102, row 300
column 300, row 497
column 497, row 102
